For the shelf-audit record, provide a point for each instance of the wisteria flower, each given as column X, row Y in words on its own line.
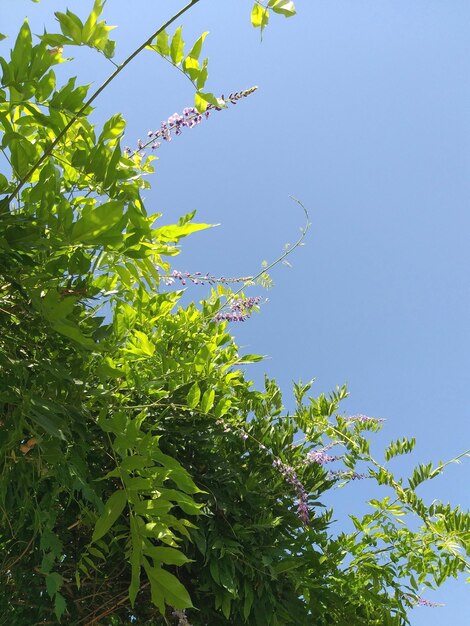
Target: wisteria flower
column 320, row 457
column 240, row 310
column 291, row 477
column 364, row 419
column 189, row 118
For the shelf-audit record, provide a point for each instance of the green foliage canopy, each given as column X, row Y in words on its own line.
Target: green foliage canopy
column 142, row 475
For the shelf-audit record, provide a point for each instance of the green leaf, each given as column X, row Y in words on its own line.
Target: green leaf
column 46, row 86
column 70, row 25
column 177, row 46
column 222, row 407
column 398, row 447
column 283, row 7
column 72, row 330
column 112, row 510
column 259, row 16
column 96, row 222
column 21, row 53
column 4, row 185
column 147, row 347
column 202, row 99
column 251, row 358
column 136, row 560
column 2, row 36
column 59, row 605
column 248, row 602
column 169, row 556
column 22, row 152
column 163, row 46
column 157, row 506
column 113, row 128
column 54, row 582
column 207, row 401
column 168, row 587
column 175, row 232
column 193, row 396
column 286, row 565
column 191, row 68
column 196, row 49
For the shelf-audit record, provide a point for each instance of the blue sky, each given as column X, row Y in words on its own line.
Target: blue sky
column 362, row 114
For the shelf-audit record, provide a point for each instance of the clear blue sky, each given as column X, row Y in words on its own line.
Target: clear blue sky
column 362, row 113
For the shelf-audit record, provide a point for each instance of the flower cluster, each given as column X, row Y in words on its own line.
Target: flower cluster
column 417, row 601
column 189, row 118
column 364, row 419
column 424, row 602
column 201, row 279
column 348, row 474
column 291, row 477
column 181, row 617
column 320, row 457
column 239, row 310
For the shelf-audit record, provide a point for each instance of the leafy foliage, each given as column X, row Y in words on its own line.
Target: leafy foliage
column 142, row 475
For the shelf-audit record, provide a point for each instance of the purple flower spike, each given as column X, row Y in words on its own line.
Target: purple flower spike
column 320, row 457
column 239, row 310
column 291, row 477
column 417, row 601
column 364, row 419
column 347, row 474
column 190, row 118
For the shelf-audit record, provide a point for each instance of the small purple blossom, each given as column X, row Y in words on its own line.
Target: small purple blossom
column 239, row 310
column 190, row 118
column 197, row 278
column 291, row 477
column 424, row 602
column 418, row 601
column 364, row 419
column 348, row 474
column 320, row 457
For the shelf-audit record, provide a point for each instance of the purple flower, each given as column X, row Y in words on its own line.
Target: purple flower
column 417, row 601
column 197, row 278
column 291, row 477
column 349, row 474
column 320, row 457
column 229, row 316
column 364, row 419
column 190, row 118
column 239, row 310
column 424, row 602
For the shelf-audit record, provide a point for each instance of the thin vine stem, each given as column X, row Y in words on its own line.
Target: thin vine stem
column 280, row 259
